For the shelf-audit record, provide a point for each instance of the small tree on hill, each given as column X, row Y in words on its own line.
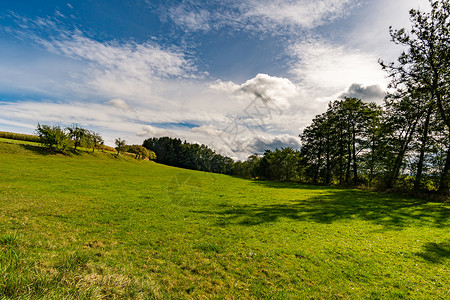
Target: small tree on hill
column 52, row 136
column 121, row 145
column 77, row 135
column 93, row 140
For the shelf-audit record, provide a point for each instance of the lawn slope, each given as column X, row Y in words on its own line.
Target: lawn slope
column 96, row 226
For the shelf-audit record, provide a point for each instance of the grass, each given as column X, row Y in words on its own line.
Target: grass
column 96, row 226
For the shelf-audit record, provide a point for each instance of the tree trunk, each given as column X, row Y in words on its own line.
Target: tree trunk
column 349, row 162
column 327, row 175
column 418, row 179
column 401, row 154
column 316, row 174
column 355, row 170
column 341, row 154
column 372, row 161
column 445, row 178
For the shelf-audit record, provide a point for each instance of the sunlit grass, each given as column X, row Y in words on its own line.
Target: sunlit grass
column 97, row 226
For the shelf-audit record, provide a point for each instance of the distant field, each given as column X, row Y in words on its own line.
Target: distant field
column 95, row 226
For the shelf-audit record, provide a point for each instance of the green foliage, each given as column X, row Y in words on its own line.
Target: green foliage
column 121, row 145
column 78, row 135
column 93, row 140
column 420, row 80
column 341, row 141
column 141, row 152
column 173, row 152
column 53, row 137
column 67, row 233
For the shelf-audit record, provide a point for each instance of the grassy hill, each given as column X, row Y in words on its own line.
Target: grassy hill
column 96, row 226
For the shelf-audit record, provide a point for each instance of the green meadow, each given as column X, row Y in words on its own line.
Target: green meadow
column 97, row 226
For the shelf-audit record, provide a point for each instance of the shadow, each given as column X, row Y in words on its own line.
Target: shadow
column 37, row 149
column 292, row 185
column 435, row 252
column 41, row 150
column 390, row 211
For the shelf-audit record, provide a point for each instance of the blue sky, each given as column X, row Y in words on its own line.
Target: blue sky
column 240, row 76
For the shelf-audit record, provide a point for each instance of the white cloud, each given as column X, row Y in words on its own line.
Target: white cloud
column 148, row 131
column 119, row 103
column 260, row 15
column 302, row 13
column 330, row 68
column 190, row 18
column 268, row 89
column 208, row 130
column 133, row 71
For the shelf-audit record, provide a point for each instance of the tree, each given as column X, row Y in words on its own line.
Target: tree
column 141, row 152
column 52, row 136
column 77, row 135
column 93, row 140
column 422, row 72
column 339, row 140
column 121, row 145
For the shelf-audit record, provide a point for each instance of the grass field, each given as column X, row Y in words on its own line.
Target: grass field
column 96, row 226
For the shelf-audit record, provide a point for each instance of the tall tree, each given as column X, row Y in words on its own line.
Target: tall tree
column 424, row 67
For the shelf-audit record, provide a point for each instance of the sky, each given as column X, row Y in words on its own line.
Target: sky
column 238, row 76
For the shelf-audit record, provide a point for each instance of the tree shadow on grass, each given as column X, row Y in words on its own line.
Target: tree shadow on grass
column 435, row 252
column 37, row 149
column 291, row 185
column 41, row 150
column 390, row 211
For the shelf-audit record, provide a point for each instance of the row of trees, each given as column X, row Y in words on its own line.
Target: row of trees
column 74, row 136
column 174, row 152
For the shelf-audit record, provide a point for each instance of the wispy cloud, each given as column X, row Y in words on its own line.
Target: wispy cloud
column 261, row 15
column 190, row 17
column 127, row 70
column 270, row 14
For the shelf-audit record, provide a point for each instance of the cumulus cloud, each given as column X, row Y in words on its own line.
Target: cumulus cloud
column 224, row 86
column 368, row 93
column 269, row 89
column 119, row 103
column 260, row 144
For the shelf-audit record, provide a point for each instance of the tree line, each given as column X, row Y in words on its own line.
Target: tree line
column 174, row 152
column 57, row 138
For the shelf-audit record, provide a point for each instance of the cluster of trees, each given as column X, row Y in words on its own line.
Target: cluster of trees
column 74, row 136
column 404, row 142
column 284, row 164
column 174, row 152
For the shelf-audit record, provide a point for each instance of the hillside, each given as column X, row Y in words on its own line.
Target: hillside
column 96, row 226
